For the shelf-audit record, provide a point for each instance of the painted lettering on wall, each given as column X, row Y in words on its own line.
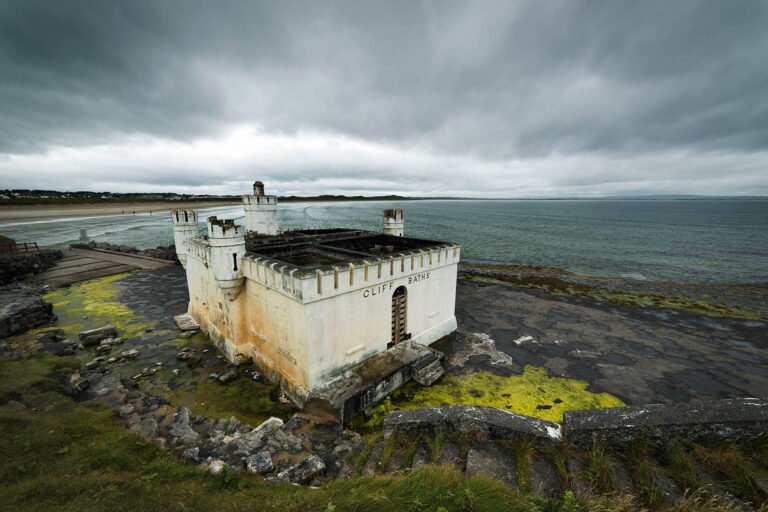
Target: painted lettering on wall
column 388, row 287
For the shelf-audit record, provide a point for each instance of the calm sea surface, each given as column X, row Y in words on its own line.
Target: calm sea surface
column 692, row 241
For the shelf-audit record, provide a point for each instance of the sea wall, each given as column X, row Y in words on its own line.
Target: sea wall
column 687, row 423
column 17, row 266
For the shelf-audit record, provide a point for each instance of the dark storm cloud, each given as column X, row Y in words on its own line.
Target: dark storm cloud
column 487, row 81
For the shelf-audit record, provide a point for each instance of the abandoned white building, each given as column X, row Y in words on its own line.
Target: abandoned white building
column 340, row 315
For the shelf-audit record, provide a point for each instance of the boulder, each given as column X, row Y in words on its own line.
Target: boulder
column 259, row 463
column 228, row 377
column 130, row 354
column 303, row 472
column 146, row 428
column 185, row 322
column 181, row 429
column 94, row 336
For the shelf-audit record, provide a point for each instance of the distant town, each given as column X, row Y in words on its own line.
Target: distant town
column 43, row 197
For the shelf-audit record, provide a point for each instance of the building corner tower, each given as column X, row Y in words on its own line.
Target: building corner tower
column 184, row 228
column 227, row 242
column 260, row 212
column 394, row 223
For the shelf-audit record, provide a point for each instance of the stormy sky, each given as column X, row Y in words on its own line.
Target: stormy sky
column 443, row 98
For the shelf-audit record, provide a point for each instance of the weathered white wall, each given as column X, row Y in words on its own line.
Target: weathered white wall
column 261, row 214
column 307, row 328
column 347, row 328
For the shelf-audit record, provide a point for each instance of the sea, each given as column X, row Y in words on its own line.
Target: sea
column 691, row 241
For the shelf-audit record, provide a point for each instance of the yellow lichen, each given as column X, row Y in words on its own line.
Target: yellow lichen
column 534, row 393
column 92, row 304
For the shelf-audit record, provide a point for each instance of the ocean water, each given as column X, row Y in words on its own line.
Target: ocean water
column 722, row 241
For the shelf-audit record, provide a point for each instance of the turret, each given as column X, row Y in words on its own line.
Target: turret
column 184, row 228
column 394, row 222
column 227, row 241
column 260, row 212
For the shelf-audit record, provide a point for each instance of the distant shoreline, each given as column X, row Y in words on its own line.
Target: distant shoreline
column 40, row 212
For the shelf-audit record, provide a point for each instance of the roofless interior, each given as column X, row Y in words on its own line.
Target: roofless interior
column 315, row 248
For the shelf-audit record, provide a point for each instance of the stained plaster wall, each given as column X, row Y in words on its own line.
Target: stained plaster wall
column 304, row 329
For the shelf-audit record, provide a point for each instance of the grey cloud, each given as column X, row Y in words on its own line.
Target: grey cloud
column 490, row 80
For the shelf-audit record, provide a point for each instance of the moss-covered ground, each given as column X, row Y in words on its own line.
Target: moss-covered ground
column 533, row 393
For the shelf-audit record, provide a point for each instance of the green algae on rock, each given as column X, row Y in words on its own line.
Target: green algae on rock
column 95, row 303
column 533, row 393
column 631, row 298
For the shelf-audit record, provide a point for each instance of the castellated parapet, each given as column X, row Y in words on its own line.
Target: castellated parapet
column 184, row 228
column 227, row 241
column 394, row 222
column 260, row 212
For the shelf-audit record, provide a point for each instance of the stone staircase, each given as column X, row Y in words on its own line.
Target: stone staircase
column 658, row 477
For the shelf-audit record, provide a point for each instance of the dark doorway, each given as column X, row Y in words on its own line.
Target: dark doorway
column 399, row 315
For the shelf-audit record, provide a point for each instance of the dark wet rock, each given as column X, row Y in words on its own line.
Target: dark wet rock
column 103, row 349
column 18, row 266
column 303, row 472
column 621, row 476
column 297, row 421
column 146, row 428
column 76, row 385
column 126, row 410
column 371, row 466
column 228, row 377
column 490, row 460
column 191, row 454
column 233, row 424
column 544, row 479
column 575, row 469
column 449, row 454
column 670, row 491
column 94, row 336
column 104, row 384
column 189, row 357
column 19, row 313
column 181, row 430
column 421, row 457
column 260, row 462
column 351, row 444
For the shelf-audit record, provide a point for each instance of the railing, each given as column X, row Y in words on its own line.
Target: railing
column 8, row 247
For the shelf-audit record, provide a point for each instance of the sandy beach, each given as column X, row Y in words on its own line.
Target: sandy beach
column 37, row 212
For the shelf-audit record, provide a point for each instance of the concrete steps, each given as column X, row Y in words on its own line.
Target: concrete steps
column 82, row 264
column 550, row 471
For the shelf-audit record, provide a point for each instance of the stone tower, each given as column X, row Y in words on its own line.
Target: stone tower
column 260, row 212
column 227, row 242
column 394, row 223
column 184, row 228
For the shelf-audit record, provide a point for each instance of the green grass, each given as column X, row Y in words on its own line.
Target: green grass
column 597, row 471
column 67, row 456
column 680, row 467
column 732, row 463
